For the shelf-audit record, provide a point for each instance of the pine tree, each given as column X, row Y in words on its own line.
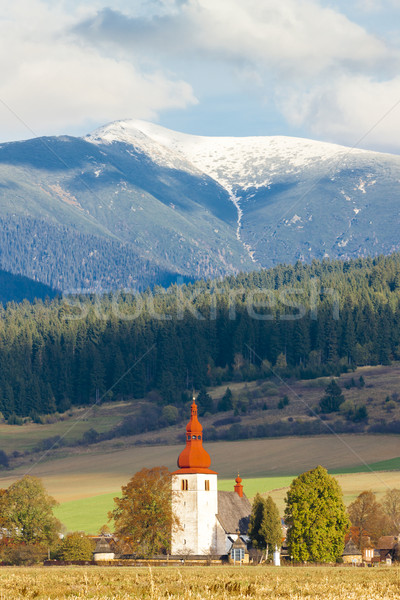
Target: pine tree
column 225, row 402
column 271, row 528
column 333, row 398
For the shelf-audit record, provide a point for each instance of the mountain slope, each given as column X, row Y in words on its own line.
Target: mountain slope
column 114, row 204
column 297, row 198
column 134, row 204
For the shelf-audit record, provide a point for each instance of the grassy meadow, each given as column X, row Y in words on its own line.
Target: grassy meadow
column 202, row 583
column 90, row 513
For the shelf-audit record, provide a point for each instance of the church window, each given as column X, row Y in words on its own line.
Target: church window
column 207, row 485
column 184, row 484
column 193, row 437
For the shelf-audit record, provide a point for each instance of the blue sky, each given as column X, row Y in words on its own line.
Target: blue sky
column 327, row 70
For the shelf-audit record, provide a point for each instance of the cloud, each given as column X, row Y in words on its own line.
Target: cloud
column 351, row 110
column 65, row 65
column 52, row 83
column 328, row 74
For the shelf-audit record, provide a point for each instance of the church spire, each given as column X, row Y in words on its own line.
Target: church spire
column 194, row 459
column 238, row 487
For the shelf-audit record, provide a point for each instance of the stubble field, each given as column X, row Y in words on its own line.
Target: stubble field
column 208, row 583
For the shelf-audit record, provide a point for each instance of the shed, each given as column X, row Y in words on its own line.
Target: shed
column 351, row 554
column 103, row 550
column 238, row 552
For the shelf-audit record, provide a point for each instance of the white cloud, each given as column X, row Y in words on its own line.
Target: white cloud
column 352, row 110
column 321, row 67
column 52, row 83
column 65, row 64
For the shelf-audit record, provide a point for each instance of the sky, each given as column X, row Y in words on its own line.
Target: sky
column 326, row 70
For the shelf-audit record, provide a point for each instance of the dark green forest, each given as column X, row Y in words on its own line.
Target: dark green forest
column 299, row 321
column 76, row 261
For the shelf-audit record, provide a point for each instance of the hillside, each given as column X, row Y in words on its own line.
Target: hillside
column 134, row 205
column 115, row 425
column 289, row 322
column 16, row 288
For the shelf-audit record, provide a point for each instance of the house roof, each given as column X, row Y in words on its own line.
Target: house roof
column 233, row 512
column 102, row 546
column 386, row 542
column 351, row 549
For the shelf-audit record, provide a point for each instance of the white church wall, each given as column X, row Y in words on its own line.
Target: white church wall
column 196, row 508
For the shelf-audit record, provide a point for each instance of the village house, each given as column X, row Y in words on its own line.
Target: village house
column 351, row 554
column 212, row 522
column 387, row 546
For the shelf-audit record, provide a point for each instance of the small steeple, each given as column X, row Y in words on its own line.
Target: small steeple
column 238, row 487
column 194, row 459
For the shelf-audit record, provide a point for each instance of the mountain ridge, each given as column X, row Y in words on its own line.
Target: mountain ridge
column 139, row 204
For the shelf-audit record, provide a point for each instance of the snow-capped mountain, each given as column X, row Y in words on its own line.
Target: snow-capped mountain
column 296, row 198
column 133, row 204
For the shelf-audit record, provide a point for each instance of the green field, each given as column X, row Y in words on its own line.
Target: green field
column 90, row 514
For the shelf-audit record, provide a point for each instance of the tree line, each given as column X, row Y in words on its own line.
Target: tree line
column 299, row 320
column 317, row 521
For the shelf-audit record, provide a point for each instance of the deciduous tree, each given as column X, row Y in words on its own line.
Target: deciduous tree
column 143, row 516
column 27, row 512
column 316, row 517
column 391, row 507
column 367, row 514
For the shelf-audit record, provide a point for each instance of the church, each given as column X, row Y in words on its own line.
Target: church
column 211, row 521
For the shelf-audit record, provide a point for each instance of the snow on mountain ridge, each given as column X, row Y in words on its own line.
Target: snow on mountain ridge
column 234, row 162
column 124, row 132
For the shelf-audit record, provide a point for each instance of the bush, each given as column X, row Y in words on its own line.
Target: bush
column 12, row 553
column 76, row 546
column 13, row 419
column 170, row 414
column 3, row 459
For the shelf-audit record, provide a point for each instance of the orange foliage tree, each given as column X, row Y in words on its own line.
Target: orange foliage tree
column 143, row 516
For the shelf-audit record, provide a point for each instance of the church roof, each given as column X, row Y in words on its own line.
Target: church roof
column 193, row 458
column 233, row 512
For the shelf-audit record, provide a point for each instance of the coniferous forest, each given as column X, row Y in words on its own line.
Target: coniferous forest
column 301, row 321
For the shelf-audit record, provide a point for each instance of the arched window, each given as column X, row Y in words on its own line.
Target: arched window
column 184, row 485
column 207, row 485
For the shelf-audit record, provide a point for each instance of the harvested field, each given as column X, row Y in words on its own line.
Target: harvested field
column 202, row 583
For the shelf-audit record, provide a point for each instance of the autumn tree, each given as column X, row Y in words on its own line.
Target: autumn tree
column 391, row 507
column 316, row 517
column 143, row 516
column 76, row 546
column 27, row 512
column 367, row 514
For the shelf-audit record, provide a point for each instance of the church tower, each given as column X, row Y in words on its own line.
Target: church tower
column 195, row 496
